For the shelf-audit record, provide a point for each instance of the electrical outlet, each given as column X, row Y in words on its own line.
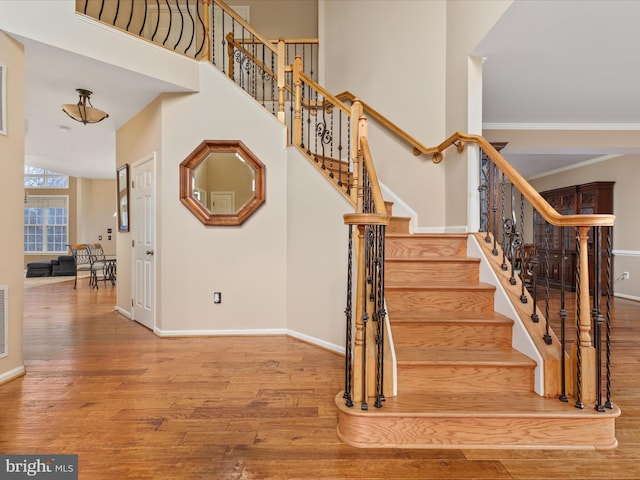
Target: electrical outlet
column 217, row 297
column 625, row 275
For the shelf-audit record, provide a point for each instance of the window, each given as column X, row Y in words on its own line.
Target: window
column 46, row 224
column 35, row 177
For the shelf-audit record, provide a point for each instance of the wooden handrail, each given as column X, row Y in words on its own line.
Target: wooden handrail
column 530, row 193
column 418, row 148
column 325, row 93
column 229, row 11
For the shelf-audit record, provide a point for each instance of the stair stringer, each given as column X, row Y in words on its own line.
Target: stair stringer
column 521, row 340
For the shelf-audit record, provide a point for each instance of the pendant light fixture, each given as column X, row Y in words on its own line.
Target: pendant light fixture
column 83, row 111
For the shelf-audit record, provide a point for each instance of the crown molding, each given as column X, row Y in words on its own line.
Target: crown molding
column 574, row 166
column 562, row 126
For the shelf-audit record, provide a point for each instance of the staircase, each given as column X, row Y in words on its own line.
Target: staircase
column 460, row 383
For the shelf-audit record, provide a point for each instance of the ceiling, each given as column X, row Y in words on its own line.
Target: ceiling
column 55, row 141
column 568, row 65
column 563, row 65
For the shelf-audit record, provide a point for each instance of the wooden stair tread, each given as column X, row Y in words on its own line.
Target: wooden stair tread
column 470, row 405
column 449, row 317
column 454, row 356
column 457, row 236
column 440, row 287
column 449, row 260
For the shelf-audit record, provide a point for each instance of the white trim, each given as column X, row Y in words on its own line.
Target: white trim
column 316, row 341
column 456, row 229
column 4, row 318
column 628, row 297
column 263, row 331
column 123, row 312
column 562, row 126
column 626, row 253
column 576, row 165
column 400, row 207
column 3, row 99
column 11, row 374
column 429, row 230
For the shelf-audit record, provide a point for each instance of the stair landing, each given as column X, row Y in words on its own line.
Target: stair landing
column 490, row 420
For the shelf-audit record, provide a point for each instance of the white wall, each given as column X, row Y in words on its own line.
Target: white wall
column 392, row 55
column 410, row 61
column 12, row 201
column 316, row 255
column 246, row 263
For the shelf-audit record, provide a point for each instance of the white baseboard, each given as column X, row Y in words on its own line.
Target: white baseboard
column 268, row 331
column 11, row 374
column 316, row 341
column 124, row 312
column 628, row 297
column 217, row 333
column 457, row 229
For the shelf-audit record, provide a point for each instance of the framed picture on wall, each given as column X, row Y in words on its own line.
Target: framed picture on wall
column 3, row 99
column 122, row 180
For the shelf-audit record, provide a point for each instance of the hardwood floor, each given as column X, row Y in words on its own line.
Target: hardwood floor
column 133, row 405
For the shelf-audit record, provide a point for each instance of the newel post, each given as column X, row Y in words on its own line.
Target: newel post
column 297, row 109
column 584, row 353
column 206, row 50
column 230, row 47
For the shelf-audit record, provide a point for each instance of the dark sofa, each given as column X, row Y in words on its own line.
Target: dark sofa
column 58, row 267
column 64, row 265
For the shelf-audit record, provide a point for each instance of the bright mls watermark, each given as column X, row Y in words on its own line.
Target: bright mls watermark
column 50, row 467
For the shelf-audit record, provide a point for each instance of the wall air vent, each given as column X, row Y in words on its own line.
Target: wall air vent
column 4, row 319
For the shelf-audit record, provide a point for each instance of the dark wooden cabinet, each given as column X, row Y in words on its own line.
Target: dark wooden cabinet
column 595, row 197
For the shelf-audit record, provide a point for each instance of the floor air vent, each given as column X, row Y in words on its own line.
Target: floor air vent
column 3, row 320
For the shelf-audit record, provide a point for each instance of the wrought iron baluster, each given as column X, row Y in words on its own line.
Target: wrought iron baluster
column 609, row 230
column 381, row 314
column 331, row 142
column 349, row 159
column 547, row 233
column 102, row 9
column 340, row 148
column 579, row 313
column 164, row 42
column 349, row 326
column 115, row 17
column 523, row 267
column 493, row 192
column 534, row 274
column 596, row 315
column 193, row 28
column 204, row 36
column 514, row 239
column 175, row 47
column 155, row 30
column 563, row 318
column 130, row 16
column 504, row 226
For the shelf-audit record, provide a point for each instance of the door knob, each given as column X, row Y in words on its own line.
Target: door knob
column 149, row 252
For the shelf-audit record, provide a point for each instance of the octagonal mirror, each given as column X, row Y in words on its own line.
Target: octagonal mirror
column 222, row 182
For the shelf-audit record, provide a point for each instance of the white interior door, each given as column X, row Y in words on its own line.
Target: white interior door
column 222, row 203
column 143, row 230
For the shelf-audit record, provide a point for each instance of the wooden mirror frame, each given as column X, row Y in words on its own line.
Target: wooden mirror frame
column 194, row 159
column 122, row 185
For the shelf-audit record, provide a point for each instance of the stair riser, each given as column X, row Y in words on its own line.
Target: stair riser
column 422, row 246
column 439, row 299
column 476, row 432
column 397, row 225
column 431, row 273
column 451, row 335
column 464, row 378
